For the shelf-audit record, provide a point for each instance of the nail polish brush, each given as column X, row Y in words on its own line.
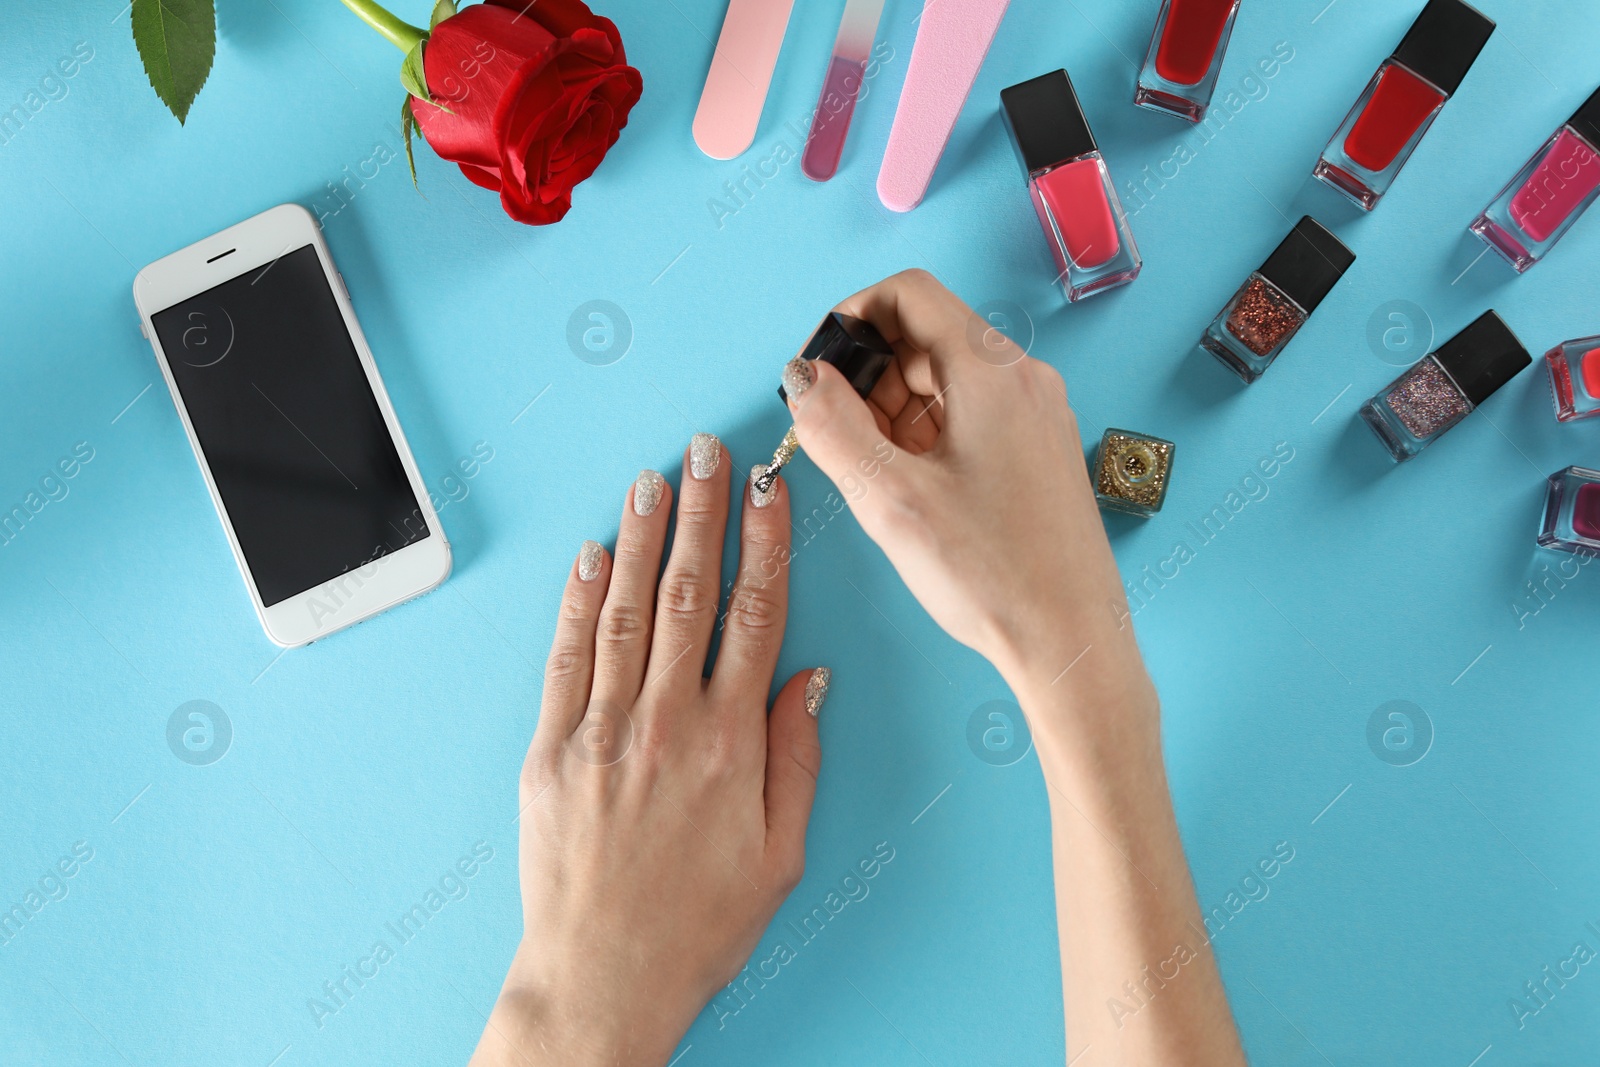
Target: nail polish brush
column 860, row 353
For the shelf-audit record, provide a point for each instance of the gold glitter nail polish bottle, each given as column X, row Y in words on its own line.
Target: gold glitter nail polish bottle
column 1275, row 301
column 1132, row 472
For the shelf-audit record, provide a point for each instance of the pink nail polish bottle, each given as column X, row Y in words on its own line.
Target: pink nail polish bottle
column 1070, row 186
column 1572, row 512
column 1548, row 194
column 1575, row 378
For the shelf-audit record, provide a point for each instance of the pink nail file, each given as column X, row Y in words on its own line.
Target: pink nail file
column 951, row 42
column 741, row 70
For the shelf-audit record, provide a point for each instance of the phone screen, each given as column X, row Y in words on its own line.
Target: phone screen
column 297, row 445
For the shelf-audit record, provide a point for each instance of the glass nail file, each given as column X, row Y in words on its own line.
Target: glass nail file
column 841, row 86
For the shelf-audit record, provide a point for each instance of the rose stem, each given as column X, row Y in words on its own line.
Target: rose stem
column 402, row 35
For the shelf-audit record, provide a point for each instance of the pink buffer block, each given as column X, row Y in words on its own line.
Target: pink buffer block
column 951, row 43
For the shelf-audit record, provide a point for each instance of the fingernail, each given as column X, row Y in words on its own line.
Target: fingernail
column 798, row 376
column 757, row 497
column 590, row 556
column 647, row 492
column 705, row 455
column 817, row 690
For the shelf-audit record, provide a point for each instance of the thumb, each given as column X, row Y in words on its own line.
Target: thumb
column 835, row 426
column 794, row 756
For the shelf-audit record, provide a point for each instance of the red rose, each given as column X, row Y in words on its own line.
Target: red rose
column 537, row 93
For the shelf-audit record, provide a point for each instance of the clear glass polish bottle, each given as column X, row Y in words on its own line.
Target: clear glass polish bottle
column 1401, row 101
column 1445, row 386
column 1548, row 195
column 1070, row 186
column 1267, row 312
column 1185, row 56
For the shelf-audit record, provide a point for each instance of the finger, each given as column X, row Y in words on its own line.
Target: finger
column 569, row 672
column 622, row 641
column 891, row 393
column 928, row 325
column 914, row 429
column 794, row 757
column 686, row 601
column 837, row 430
column 752, row 629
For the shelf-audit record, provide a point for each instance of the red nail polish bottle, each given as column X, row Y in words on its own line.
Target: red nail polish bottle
column 1548, row 194
column 1402, row 100
column 1070, row 186
column 1180, row 70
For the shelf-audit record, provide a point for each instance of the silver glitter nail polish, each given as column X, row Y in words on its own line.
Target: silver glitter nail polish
column 590, row 556
column 817, row 690
column 1445, row 386
column 798, row 376
column 758, row 496
column 705, row 455
column 647, row 492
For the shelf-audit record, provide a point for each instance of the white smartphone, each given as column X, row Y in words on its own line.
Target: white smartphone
column 310, row 473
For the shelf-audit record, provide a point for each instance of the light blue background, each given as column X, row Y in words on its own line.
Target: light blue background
column 362, row 767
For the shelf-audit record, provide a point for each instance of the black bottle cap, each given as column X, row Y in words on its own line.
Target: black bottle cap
column 1308, row 263
column 1045, row 121
column 1586, row 120
column 852, row 345
column 1483, row 357
column 1444, row 42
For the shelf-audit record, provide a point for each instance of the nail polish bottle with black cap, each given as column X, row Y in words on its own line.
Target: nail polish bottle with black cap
column 1402, row 100
column 1548, row 194
column 854, row 346
column 1272, row 305
column 1070, row 186
column 1445, row 386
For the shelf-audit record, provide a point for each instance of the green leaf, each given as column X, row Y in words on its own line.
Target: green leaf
column 408, row 126
column 442, row 10
column 412, row 75
column 177, row 40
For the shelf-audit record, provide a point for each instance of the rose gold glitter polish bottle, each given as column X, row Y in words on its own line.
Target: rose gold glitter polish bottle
column 1275, row 301
column 1445, row 386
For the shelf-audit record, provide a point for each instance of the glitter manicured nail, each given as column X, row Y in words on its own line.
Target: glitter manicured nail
column 705, row 455
column 647, row 492
column 590, row 556
column 759, row 497
column 817, row 690
column 798, row 376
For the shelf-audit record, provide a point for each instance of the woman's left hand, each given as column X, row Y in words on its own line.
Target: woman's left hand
column 663, row 813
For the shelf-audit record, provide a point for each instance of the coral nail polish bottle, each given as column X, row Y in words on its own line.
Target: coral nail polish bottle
column 1402, row 100
column 1575, row 378
column 1548, row 194
column 1275, row 301
column 1180, row 70
column 1572, row 511
column 1445, row 386
column 1132, row 472
column 1070, row 186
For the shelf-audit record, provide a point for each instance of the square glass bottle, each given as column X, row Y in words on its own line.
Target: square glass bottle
column 1445, row 386
column 1132, row 472
column 1575, row 378
column 1069, row 184
column 1186, row 49
column 1274, row 302
column 1402, row 100
column 1548, row 194
column 1572, row 511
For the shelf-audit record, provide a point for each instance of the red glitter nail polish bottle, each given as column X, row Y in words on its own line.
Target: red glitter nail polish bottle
column 1402, row 100
column 1445, row 386
column 1272, row 305
column 1180, row 70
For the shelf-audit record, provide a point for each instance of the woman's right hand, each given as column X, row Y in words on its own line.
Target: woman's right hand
column 966, row 467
